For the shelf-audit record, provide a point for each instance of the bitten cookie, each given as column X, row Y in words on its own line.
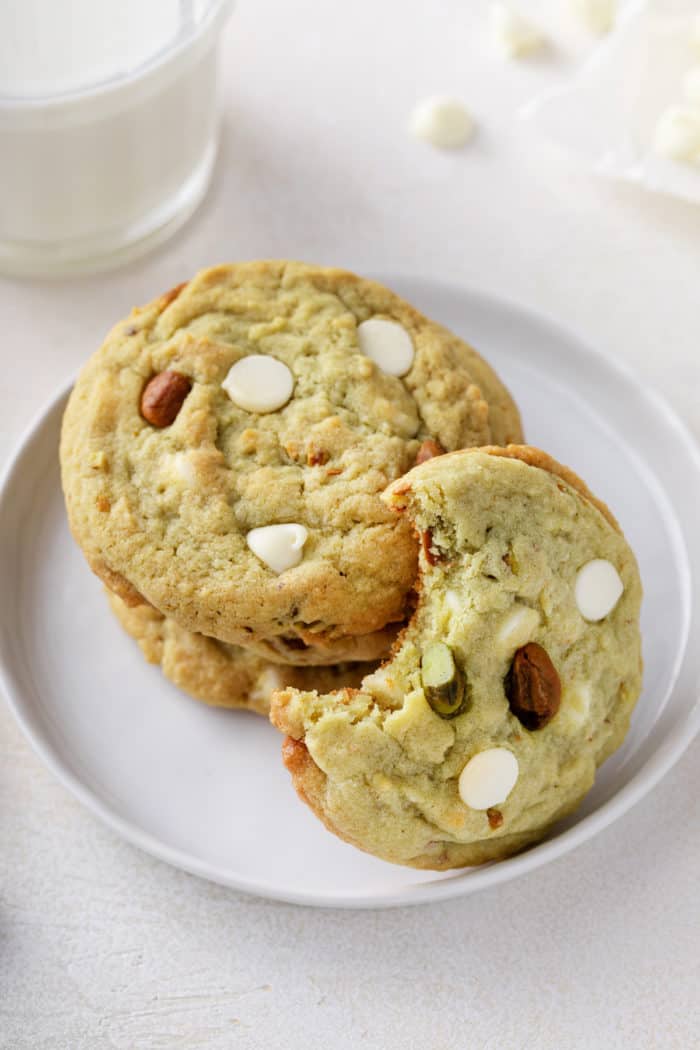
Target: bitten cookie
column 217, row 673
column 512, row 682
column 224, row 452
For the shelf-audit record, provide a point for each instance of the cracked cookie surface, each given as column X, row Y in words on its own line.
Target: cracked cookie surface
column 167, row 477
column 501, row 698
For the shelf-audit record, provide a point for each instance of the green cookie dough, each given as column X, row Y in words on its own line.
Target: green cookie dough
column 166, row 476
column 504, row 535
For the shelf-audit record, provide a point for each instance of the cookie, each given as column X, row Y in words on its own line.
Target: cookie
column 224, row 452
column 512, row 682
column 219, row 674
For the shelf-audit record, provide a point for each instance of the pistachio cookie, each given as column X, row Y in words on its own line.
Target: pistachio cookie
column 217, row 673
column 514, row 679
column 223, row 454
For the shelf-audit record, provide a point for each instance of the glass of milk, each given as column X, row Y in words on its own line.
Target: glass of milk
column 108, row 126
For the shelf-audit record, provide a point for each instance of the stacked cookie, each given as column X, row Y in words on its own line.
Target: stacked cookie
column 254, row 464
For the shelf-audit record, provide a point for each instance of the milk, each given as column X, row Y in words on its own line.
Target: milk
column 107, row 126
column 52, row 47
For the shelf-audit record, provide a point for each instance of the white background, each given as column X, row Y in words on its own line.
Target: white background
column 102, row 948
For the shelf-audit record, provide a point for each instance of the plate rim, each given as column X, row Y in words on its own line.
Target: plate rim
column 656, row 766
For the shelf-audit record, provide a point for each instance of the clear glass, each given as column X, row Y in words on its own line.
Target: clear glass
column 106, row 150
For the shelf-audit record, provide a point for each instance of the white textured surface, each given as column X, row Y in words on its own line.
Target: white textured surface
column 101, row 947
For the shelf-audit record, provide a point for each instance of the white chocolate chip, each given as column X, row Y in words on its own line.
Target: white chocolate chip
column 597, row 590
column 382, row 784
column 388, row 344
column 596, row 15
column 178, row 467
column 514, row 35
column 677, row 133
column 488, row 778
column 576, row 702
column 99, row 461
column 517, row 628
column 259, row 383
column 691, row 86
column 280, row 547
column 443, row 122
column 270, row 680
column 452, row 601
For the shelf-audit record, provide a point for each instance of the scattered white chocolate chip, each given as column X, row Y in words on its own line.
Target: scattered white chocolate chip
column 388, row 344
column 691, row 86
column 517, row 628
column 178, row 467
column 677, row 133
column 596, row 15
column 597, row 590
column 452, row 601
column 488, row 778
column 259, row 383
column 443, row 122
column 280, row 547
column 514, row 35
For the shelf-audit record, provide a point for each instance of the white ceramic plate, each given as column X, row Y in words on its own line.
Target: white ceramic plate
column 205, row 790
